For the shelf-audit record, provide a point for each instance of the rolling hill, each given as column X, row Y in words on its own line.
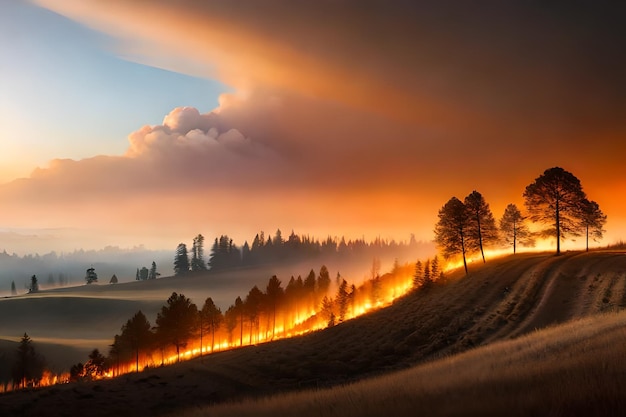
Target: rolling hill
column 498, row 306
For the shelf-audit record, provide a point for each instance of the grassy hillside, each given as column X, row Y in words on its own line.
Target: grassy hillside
column 574, row 369
column 507, row 297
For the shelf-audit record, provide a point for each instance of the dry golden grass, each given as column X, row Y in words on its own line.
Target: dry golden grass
column 573, row 369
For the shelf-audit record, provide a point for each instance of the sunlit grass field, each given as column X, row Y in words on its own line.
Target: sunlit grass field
column 578, row 368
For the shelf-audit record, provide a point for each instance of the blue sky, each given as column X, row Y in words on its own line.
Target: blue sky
column 64, row 93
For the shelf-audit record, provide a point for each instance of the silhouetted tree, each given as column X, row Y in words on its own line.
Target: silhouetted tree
column 136, row 335
column 593, row 221
column 418, row 275
column 197, row 256
column 323, row 280
column 210, row 320
column 34, row 284
column 13, row 289
column 240, row 309
column 176, row 323
column 342, row 300
column 428, row 278
column 181, row 260
column 274, row 297
column 29, row 366
column 94, row 367
column 113, row 279
column 482, row 228
column 137, row 276
column 231, row 318
column 435, row 271
column 555, row 199
column 252, row 307
column 513, row 228
column 452, row 228
column 77, row 371
column 144, row 273
column 91, row 276
column 153, row 274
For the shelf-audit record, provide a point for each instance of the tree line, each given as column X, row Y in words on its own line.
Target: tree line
column 555, row 202
column 225, row 254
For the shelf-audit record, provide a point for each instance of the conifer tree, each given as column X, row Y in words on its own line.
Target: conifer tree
column 181, row 260
column 482, row 230
column 452, row 229
column 513, row 228
column 13, row 289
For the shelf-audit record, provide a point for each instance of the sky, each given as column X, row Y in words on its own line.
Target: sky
column 148, row 122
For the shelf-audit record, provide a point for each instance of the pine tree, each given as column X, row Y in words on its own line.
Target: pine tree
column 435, row 272
column 29, row 366
column 113, row 279
column 176, row 323
column 181, row 260
column 210, row 320
column 153, row 274
column 513, row 228
column 136, row 335
column 34, row 285
column 13, row 289
column 418, row 275
column 592, row 220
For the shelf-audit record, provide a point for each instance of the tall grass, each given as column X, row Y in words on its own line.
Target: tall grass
column 574, row 369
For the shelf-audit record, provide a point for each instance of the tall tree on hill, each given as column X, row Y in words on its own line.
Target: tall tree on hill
column 418, row 275
column 513, row 228
column 231, row 318
column 181, row 260
column 136, row 335
column 555, row 199
column 252, row 307
column 452, row 229
column 323, row 281
column 435, row 271
column 13, row 289
column 197, row 255
column 29, row 366
column 176, row 323
column 275, row 294
column 593, row 221
column 342, row 300
column 94, row 367
column 428, row 278
column 91, row 276
column 210, row 320
column 34, row 284
column 240, row 309
column 482, row 229
column 153, row 274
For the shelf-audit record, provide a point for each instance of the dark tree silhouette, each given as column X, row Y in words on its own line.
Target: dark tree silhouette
column 91, row 276
column 176, row 323
column 240, row 310
column 435, row 271
column 94, row 367
column 29, row 366
column 418, row 275
column 231, row 318
column 152, row 273
column 482, row 229
column 513, row 228
column 323, row 281
column 210, row 320
column 252, row 307
column 275, row 295
column 197, row 254
column 342, row 300
column 181, row 260
column 555, row 199
column 428, row 279
column 144, row 273
column 452, row 228
column 113, row 279
column 136, row 335
column 593, row 221
column 34, row 284
column 13, row 289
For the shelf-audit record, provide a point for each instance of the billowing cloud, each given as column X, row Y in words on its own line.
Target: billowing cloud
column 352, row 114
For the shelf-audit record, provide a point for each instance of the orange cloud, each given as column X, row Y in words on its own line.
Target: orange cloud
column 347, row 116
